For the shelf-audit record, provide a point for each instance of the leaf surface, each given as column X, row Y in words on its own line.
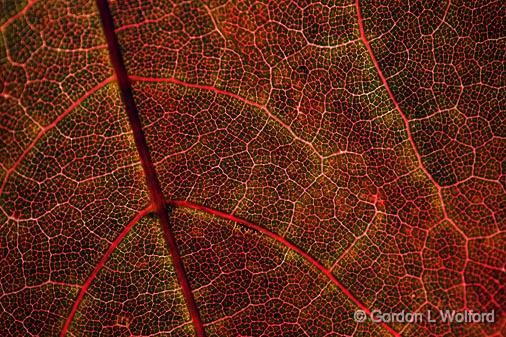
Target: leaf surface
column 243, row 168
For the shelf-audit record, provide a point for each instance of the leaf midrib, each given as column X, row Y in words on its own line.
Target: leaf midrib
column 152, row 180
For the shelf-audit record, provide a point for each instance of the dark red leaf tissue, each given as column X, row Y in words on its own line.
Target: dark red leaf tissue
column 226, row 168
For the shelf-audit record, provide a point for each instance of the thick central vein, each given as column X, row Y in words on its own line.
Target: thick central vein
column 145, row 157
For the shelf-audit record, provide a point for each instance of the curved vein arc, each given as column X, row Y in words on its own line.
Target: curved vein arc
column 284, row 242
column 216, row 90
column 100, row 265
column 18, row 15
column 391, row 95
column 50, row 126
column 403, row 117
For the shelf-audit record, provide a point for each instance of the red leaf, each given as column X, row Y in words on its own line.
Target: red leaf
column 237, row 168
